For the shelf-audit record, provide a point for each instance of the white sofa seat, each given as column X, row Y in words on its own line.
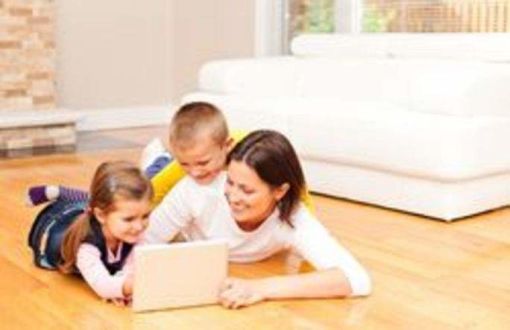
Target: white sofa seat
column 423, row 135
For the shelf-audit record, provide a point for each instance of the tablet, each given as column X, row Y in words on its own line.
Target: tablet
column 178, row 274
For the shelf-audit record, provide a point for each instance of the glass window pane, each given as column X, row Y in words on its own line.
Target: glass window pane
column 435, row 16
column 311, row 16
column 318, row 16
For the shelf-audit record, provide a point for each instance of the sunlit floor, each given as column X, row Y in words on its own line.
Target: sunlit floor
column 427, row 274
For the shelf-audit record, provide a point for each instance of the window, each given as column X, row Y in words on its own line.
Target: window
column 436, row 16
column 310, row 16
column 372, row 16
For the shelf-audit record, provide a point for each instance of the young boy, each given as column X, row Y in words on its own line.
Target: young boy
column 199, row 141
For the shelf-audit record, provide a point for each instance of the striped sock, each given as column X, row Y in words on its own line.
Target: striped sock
column 41, row 194
column 72, row 194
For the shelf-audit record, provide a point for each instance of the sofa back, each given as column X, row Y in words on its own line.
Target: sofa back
column 418, row 77
column 423, row 85
column 250, row 77
column 454, row 46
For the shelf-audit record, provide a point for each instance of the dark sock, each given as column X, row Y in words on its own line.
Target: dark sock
column 157, row 165
column 36, row 195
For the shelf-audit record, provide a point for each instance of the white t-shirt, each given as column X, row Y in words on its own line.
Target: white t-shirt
column 202, row 212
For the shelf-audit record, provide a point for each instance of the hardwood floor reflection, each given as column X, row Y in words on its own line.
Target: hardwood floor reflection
column 427, row 274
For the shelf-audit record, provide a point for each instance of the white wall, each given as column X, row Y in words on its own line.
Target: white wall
column 120, row 54
column 207, row 30
column 113, row 53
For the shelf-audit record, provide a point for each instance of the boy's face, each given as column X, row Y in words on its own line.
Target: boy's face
column 203, row 160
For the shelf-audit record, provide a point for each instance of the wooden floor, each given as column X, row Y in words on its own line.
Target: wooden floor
column 427, row 274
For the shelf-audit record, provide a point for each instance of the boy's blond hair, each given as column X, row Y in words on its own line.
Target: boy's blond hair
column 196, row 119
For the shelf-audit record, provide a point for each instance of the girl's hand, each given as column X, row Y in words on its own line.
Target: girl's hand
column 127, row 287
column 236, row 293
column 120, row 302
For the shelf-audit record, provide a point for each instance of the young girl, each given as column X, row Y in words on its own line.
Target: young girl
column 94, row 236
column 256, row 207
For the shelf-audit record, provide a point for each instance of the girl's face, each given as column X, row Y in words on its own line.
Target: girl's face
column 251, row 200
column 126, row 222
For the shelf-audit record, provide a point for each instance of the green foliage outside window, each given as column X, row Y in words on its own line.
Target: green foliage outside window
column 375, row 20
column 312, row 16
column 318, row 16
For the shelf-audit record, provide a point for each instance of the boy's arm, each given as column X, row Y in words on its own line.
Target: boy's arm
column 172, row 215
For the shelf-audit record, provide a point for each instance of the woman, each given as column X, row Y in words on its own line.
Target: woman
column 260, row 216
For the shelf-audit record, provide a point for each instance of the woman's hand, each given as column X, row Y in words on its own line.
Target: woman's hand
column 236, row 293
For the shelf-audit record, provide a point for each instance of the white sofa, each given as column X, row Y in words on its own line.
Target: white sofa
column 419, row 123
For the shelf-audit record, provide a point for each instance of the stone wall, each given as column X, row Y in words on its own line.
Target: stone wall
column 20, row 141
column 27, row 80
column 27, row 54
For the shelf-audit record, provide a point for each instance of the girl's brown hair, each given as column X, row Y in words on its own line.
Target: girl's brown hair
column 112, row 180
column 272, row 157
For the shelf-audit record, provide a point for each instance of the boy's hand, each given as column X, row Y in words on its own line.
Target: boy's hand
column 236, row 293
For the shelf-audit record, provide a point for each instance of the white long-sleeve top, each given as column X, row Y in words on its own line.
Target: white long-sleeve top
column 202, row 212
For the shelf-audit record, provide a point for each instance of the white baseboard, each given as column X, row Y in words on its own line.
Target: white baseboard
column 11, row 119
column 111, row 118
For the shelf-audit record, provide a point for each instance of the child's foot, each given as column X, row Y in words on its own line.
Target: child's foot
column 152, row 151
column 41, row 194
column 157, row 165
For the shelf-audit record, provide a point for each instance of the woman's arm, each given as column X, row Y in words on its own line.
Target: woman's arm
column 323, row 251
column 331, row 283
column 338, row 273
column 319, row 284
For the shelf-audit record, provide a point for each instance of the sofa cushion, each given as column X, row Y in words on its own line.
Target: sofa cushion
column 442, row 148
column 270, row 76
column 376, row 135
column 456, row 88
column 248, row 112
column 353, row 80
column 421, row 85
column 340, row 46
column 424, row 85
column 455, row 46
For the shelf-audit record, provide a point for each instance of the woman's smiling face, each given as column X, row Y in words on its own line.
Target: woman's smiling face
column 251, row 200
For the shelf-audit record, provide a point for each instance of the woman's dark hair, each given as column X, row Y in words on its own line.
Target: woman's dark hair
column 272, row 157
